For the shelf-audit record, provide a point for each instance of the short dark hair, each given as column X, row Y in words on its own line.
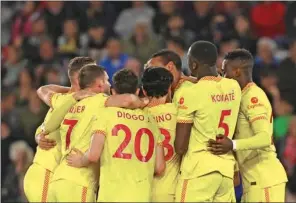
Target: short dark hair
column 179, row 41
column 125, row 81
column 156, row 81
column 242, row 55
column 88, row 74
column 204, row 52
column 77, row 63
column 167, row 56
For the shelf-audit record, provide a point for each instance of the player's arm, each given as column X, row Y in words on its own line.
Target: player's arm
column 59, row 112
column 190, row 78
column 260, row 122
column 236, row 178
column 130, row 101
column 43, row 142
column 93, row 154
column 46, row 92
column 160, row 164
column 184, row 124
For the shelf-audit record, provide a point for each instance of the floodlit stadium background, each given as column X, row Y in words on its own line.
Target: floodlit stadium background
column 38, row 39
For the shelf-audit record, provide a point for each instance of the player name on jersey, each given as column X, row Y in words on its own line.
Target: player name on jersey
column 223, row 97
column 77, row 109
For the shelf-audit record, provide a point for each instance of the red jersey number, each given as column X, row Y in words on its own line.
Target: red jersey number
column 166, row 144
column 137, row 144
column 71, row 124
column 222, row 124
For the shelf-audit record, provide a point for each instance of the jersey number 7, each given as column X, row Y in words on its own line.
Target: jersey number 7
column 71, row 124
column 222, row 124
column 128, row 136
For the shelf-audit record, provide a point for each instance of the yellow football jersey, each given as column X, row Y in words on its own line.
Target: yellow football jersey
column 75, row 132
column 166, row 117
column 49, row 159
column 128, row 158
column 179, row 90
column 256, row 166
column 212, row 106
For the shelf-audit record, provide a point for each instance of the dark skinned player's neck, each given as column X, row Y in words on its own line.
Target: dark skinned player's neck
column 176, row 80
column 212, row 71
column 243, row 82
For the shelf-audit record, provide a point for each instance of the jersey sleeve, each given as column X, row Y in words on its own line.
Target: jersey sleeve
column 38, row 130
column 99, row 123
column 187, row 106
column 53, row 99
column 257, row 110
column 58, row 113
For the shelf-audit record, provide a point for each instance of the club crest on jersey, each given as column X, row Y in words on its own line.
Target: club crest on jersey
column 254, row 100
column 181, row 101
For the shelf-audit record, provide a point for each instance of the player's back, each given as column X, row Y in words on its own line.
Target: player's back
column 128, row 158
column 75, row 132
column 257, row 165
column 214, row 102
column 166, row 117
column 49, row 159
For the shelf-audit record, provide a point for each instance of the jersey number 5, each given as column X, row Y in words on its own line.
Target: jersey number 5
column 222, row 124
column 128, row 136
column 71, row 124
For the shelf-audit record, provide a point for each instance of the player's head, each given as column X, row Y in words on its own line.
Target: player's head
column 202, row 57
column 94, row 78
column 156, row 82
column 75, row 65
column 238, row 63
column 167, row 59
column 125, row 81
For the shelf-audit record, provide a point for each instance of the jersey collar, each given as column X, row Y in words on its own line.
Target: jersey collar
column 179, row 84
column 154, row 103
column 248, row 86
column 211, row 78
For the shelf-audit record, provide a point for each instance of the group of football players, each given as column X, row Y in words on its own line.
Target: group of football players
column 164, row 137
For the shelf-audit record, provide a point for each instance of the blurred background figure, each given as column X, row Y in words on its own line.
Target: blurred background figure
column 39, row 38
column 21, row 156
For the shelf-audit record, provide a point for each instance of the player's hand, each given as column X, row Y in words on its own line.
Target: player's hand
column 83, row 94
column 144, row 102
column 221, row 145
column 75, row 159
column 45, row 143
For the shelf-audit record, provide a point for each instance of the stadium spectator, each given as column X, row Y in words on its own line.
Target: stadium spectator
column 265, row 62
column 22, row 26
column 198, row 21
column 176, row 27
column 142, row 43
column 36, row 111
column 166, row 8
column 243, row 33
column 128, row 18
column 134, row 65
column 115, row 58
column 24, row 89
column 178, row 45
column 69, row 41
column 14, row 65
column 93, row 43
column 21, row 156
column 102, row 12
column 31, row 43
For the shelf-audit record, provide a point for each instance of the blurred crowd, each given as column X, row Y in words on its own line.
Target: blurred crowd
column 39, row 38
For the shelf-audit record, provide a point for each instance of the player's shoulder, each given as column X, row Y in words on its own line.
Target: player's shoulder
column 162, row 108
column 231, row 82
column 58, row 98
column 254, row 95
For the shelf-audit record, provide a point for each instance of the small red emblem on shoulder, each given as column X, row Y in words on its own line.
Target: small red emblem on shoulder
column 181, row 101
column 254, row 100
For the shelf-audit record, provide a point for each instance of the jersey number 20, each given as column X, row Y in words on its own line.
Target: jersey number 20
column 137, row 143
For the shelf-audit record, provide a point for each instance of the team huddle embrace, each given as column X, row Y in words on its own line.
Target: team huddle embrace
column 171, row 139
